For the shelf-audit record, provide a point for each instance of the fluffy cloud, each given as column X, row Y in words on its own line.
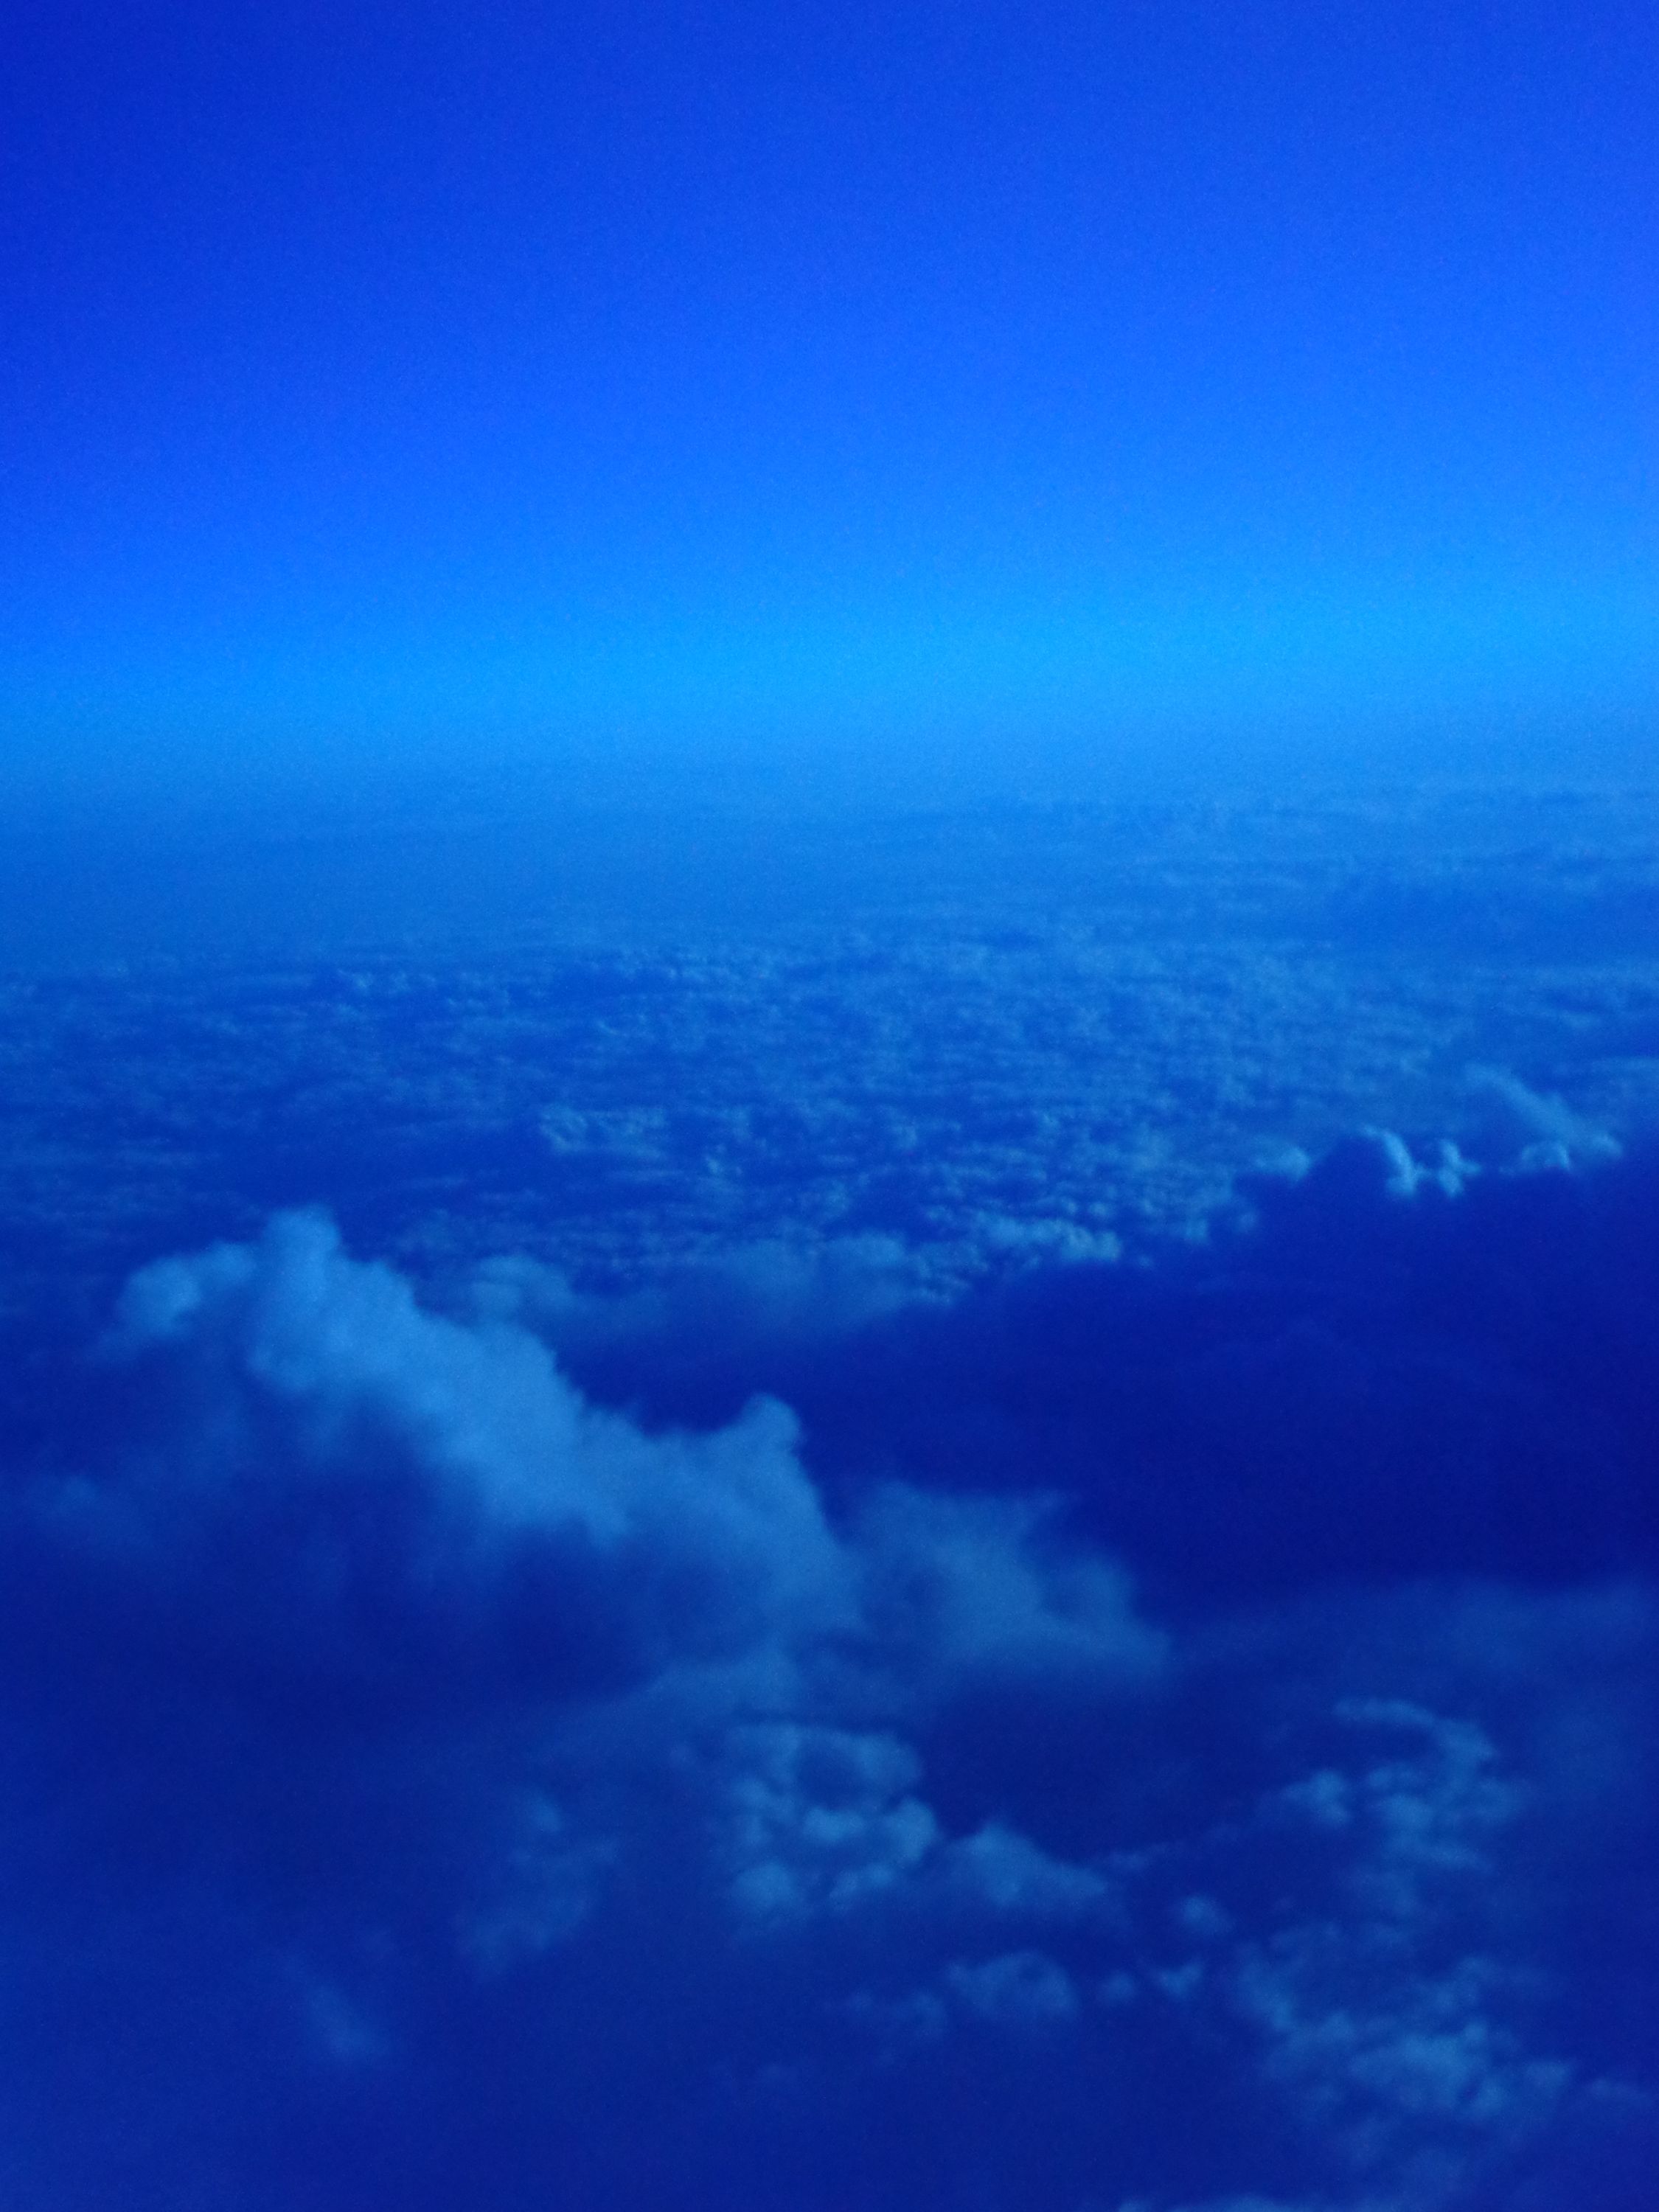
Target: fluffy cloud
column 1000, row 1037
column 1035, row 1771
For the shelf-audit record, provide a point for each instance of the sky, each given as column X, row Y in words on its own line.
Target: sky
column 660, row 386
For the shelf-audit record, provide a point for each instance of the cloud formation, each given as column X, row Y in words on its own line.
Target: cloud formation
column 998, row 1037
column 1171, row 1737
column 1381, row 1364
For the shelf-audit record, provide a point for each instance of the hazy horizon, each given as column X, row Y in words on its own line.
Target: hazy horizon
column 961, row 378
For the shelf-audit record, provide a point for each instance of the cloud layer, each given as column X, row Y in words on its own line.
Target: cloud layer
column 997, row 1036
column 1131, row 1739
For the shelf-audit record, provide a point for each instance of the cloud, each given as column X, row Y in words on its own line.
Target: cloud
column 1030, row 1771
column 996, row 1038
column 1386, row 1363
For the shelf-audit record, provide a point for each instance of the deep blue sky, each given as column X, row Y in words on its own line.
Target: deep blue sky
column 646, row 376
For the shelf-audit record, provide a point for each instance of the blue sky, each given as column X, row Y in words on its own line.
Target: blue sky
column 647, row 380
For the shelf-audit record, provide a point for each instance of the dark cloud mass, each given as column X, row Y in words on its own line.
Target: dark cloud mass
column 1385, row 1366
column 947, row 1686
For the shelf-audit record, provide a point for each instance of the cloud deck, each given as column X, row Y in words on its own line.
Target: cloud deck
column 1162, row 1733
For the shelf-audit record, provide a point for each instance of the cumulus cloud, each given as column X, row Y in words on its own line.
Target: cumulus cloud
column 1002, row 1038
column 1030, row 1771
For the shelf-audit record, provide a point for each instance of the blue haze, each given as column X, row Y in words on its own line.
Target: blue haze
column 646, row 388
